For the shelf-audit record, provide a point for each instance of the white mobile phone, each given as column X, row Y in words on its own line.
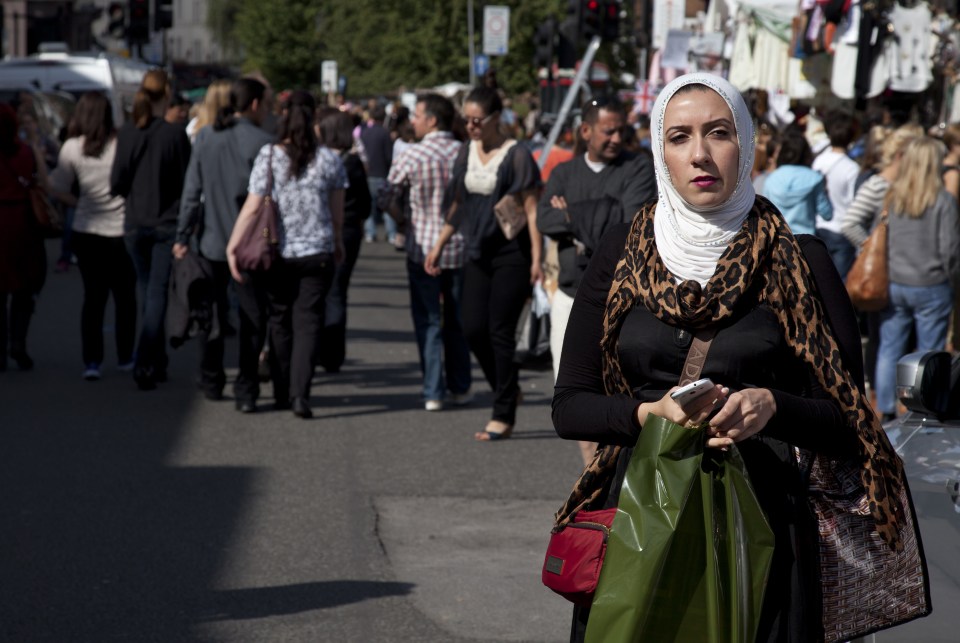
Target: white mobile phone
column 692, row 391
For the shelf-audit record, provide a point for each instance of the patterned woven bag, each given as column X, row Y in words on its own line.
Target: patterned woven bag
column 866, row 585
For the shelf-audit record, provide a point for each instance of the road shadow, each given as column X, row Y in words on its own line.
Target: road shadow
column 101, row 538
column 261, row 602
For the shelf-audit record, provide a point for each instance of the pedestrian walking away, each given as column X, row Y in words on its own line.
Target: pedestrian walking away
column 379, row 155
column 219, row 172
column 148, row 172
column 435, row 300
column 499, row 271
column 309, row 181
column 710, row 256
column 23, row 260
column 923, row 250
column 841, row 174
column 86, row 160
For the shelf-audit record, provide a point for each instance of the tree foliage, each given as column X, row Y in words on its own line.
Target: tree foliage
column 380, row 46
column 280, row 38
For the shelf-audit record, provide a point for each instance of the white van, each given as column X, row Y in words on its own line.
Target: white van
column 118, row 78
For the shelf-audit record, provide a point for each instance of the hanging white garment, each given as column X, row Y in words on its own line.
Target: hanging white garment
column 910, row 48
column 771, row 57
column 743, row 73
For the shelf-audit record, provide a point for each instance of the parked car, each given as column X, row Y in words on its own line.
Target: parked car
column 927, row 437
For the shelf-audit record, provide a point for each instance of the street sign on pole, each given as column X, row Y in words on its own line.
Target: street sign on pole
column 329, row 76
column 496, row 30
column 481, row 63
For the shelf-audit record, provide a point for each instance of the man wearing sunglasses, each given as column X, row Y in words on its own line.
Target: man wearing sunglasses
column 601, row 186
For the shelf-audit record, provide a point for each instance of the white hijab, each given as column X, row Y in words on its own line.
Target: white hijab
column 691, row 239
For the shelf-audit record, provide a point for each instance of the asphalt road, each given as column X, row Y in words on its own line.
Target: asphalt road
column 161, row 516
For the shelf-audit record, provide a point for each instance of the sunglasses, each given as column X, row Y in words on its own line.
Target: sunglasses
column 479, row 122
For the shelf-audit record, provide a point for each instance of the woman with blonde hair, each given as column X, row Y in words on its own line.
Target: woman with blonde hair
column 865, row 211
column 148, row 171
column 216, row 98
column 923, row 251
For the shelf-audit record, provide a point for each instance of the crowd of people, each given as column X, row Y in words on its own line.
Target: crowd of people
column 458, row 191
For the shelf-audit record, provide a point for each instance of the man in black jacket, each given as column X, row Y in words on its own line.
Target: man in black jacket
column 601, row 186
column 219, row 170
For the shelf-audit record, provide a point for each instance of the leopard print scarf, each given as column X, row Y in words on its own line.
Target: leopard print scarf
column 764, row 258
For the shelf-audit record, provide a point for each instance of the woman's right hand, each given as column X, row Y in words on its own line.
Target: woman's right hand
column 695, row 413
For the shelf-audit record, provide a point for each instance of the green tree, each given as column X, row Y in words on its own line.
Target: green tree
column 381, row 46
column 280, row 38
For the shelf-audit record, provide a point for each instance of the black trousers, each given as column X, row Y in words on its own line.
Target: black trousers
column 252, row 303
column 106, row 268
column 297, row 290
column 333, row 345
column 15, row 323
column 494, row 292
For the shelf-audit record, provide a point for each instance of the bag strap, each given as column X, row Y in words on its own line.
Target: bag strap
column 697, row 355
column 270, row 172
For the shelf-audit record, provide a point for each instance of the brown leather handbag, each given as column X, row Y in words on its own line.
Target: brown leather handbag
column 868, row 282
column 259, row 246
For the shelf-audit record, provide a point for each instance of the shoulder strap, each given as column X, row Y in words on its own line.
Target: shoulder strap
column 270, row 172
column 697, row 355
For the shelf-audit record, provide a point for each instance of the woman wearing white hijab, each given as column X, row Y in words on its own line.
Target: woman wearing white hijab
column 712, row 256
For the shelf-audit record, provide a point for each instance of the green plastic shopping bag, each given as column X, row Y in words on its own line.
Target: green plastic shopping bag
column 690, row 549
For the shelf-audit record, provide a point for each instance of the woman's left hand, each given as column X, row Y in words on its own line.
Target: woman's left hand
column 536, row 272
column 744, row 414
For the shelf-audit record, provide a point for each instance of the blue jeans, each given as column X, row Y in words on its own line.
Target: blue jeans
column 841, row 251
column 151, row 250
column 439, row 331
column 376, row 216
column 926, row 306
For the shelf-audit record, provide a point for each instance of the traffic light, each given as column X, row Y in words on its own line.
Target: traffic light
column 138, row 29
column 610, row 29
column 543, row 43
column 162, row 14
column 591, row 19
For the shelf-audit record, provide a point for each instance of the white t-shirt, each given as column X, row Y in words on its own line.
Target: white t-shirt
column 97, row 211
column 841, row 172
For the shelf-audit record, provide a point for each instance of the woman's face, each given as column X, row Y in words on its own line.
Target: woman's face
column 700, row 147
column 480, row 125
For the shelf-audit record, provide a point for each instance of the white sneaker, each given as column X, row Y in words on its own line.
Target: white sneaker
column 91, row 373
column 433, row 405
column 462, row 399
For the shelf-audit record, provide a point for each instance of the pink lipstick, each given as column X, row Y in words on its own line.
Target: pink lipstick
column 704, row 181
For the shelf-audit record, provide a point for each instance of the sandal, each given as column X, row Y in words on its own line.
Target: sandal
column 504, row 432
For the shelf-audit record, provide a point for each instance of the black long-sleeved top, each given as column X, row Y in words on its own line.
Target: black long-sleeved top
column 356, row 205
column 596, row 201
column 748, row 350
column 149, row 171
